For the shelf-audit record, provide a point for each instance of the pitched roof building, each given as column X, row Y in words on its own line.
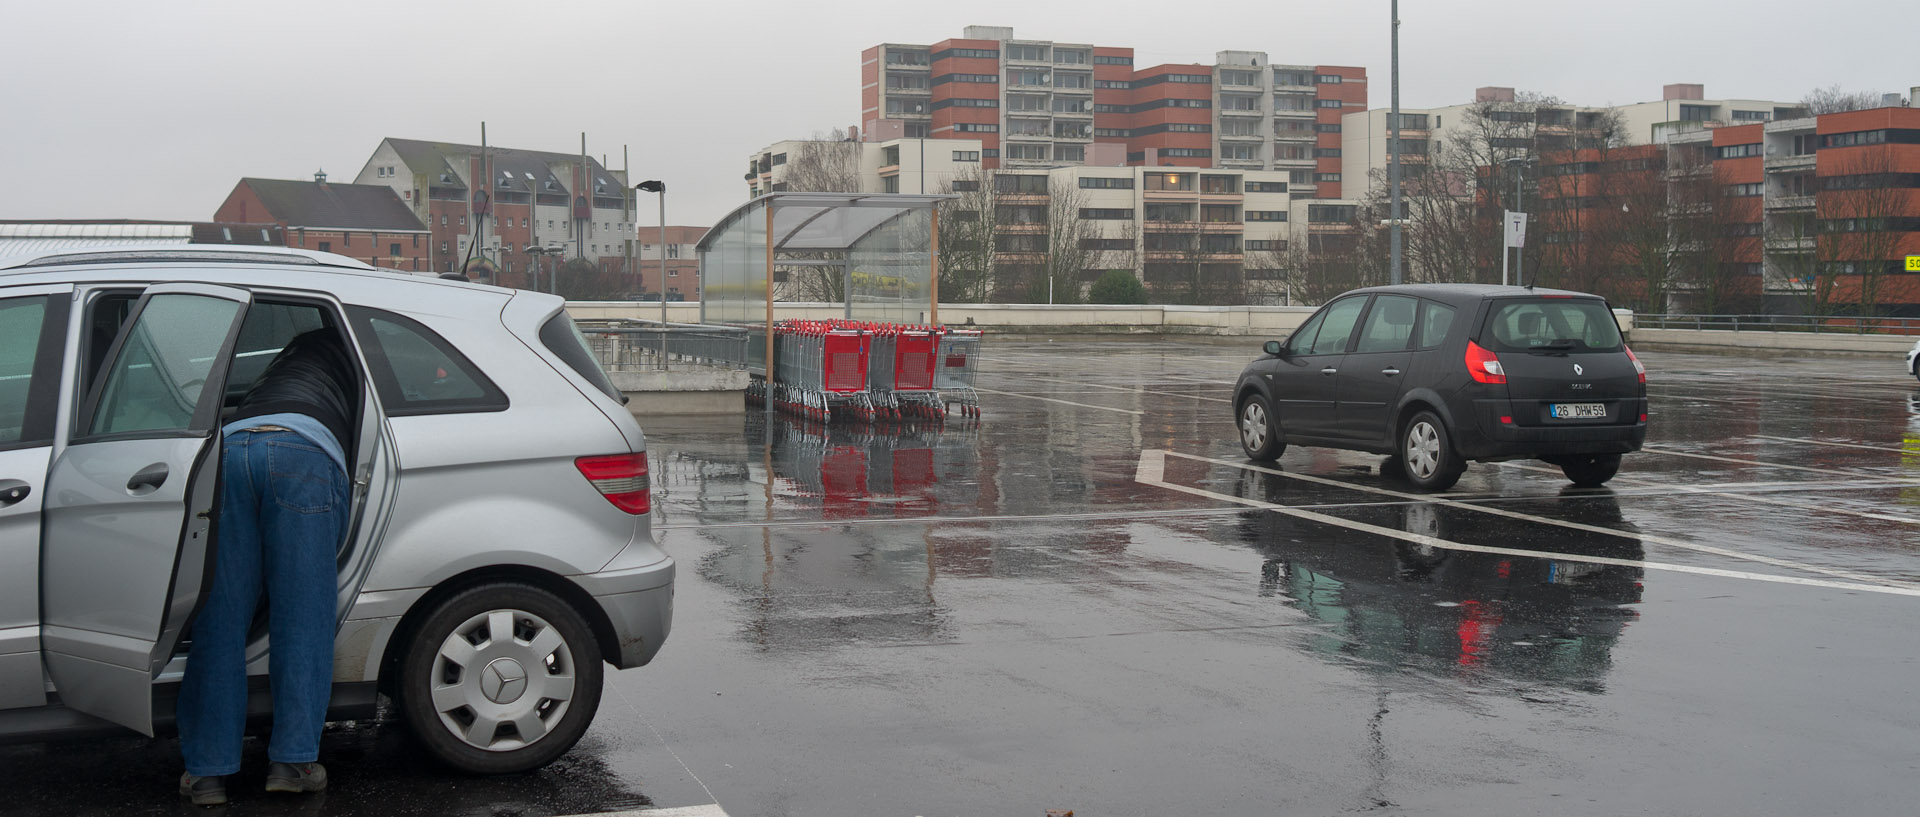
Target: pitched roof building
column 361, row 221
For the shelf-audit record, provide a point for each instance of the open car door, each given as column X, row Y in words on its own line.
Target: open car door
column 129, row 512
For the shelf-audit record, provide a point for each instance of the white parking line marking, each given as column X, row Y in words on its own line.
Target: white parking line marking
column 1902, row 587
column 1812, row 441
column 1135, row 390
column 1716, row 490
column 1845, row 472
column 1052, row 400
column 711, row 810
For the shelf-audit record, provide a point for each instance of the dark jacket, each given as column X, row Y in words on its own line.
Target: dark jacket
column 311, row 376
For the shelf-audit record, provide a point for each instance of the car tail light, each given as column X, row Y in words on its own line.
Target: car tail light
column 1638, row 367
column 1483, row 365
column 621, row 478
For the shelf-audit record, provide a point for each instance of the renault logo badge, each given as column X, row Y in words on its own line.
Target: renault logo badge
column 1578, row 370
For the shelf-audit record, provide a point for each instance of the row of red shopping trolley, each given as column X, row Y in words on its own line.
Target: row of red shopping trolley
column 872, row 371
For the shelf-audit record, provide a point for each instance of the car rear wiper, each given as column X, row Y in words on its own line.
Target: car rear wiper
column 1558, row 347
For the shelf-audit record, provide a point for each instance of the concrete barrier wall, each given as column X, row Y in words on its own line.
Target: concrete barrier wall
column 1203, row 320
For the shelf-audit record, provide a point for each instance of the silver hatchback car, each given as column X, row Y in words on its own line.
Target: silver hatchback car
column 498, row 549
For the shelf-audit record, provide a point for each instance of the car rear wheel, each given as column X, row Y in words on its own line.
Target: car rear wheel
column 1590, row 470
column 1258, row 435
column 500, row 678
column 1426, row 454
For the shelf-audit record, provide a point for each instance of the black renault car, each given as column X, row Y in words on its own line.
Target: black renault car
column 1436, row 375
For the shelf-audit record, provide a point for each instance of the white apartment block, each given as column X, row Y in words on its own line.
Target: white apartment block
column 892, row 166
column 1682, row 108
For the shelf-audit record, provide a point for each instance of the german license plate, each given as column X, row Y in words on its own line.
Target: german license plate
column 1578, row 411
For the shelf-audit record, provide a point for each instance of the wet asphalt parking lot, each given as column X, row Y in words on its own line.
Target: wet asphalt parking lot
column 1090, row 600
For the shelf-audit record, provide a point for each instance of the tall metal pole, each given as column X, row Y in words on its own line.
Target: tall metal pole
column 1519, row 206
column 1393, row 153
column 663, row 264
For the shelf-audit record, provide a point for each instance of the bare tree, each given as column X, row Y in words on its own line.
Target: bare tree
column 1859, row 238
column 827, row 163
column 1832, row 99
column 1067, row 254
column 967, row 238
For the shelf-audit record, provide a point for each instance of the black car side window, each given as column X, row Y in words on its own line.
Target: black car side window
column 1301, row 341
column 1389, row 325
column 1336, row 330
column 1435, row 320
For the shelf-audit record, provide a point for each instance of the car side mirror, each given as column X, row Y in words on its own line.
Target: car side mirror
column 1274, row 348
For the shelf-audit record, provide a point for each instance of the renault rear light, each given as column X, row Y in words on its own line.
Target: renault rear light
column 1638, row 368
column 1483, row 366
column 621, row 478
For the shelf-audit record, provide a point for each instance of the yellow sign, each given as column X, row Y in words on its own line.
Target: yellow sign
column 1913, row 263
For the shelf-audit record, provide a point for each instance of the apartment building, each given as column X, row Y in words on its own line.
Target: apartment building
column 507, row 199
column 362, row 221
column 1548, row 126
column 682, row 279
column 1042, row 103
column 915, row 165
column 1809, row 214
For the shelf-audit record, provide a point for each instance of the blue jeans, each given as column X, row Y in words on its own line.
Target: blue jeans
column 283, row 512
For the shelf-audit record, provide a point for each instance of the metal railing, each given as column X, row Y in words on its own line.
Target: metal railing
column 1832, row 324
column 638, row 345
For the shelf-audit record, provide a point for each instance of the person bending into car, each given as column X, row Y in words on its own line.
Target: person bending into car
column 282, row 515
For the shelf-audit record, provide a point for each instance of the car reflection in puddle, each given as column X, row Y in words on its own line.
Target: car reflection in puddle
column 1391, row 605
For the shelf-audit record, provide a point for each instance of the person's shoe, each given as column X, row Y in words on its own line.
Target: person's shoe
column 204, row 791
column 296, row 777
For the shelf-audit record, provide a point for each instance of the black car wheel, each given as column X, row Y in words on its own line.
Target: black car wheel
column 1590, row 470
column 1427, row 455
column 500, row 678
column 1259, row 436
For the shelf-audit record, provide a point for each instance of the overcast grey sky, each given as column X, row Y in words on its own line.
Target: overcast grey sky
column 142, row 109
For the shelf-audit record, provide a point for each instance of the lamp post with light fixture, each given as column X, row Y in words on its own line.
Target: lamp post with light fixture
column 660, row 187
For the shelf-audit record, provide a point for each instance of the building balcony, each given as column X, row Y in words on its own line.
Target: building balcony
column 1789, row 164
column 1293, row 114
column 1242, row 112
column 1242, row 137
column 1791, row 244
column 908, row 90
column 1022, row 228
column 1246, row 164
column 1802, row 202
column 908, row 66
column 1086, row 114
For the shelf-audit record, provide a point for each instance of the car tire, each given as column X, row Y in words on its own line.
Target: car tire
column 471, row 695
column 1426, row 453
column 1259, row 434
column 1590, row 470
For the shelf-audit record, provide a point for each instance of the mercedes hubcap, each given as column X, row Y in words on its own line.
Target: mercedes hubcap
column 502, row 679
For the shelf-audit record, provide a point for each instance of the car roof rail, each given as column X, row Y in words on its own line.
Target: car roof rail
column 178, row 253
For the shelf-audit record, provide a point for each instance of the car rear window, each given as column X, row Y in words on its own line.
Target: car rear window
column 1551, row 324
column 563, row 338
column 418, row 372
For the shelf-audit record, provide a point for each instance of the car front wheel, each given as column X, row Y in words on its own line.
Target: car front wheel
column 1258, row 435
column 1426, row 454
column 500, row 678
column 1590, row 470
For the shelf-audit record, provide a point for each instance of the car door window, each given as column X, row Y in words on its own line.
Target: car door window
column 1435, row 320
column 1301, row 342
column 1337, row 329
column 417, row 372
column 1389, row 325
column 22, row 321
column 156, row 379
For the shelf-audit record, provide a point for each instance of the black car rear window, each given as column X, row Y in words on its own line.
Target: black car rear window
column 1551, row 324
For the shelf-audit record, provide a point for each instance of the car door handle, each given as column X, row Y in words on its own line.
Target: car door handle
column 148, row 479
column 1329, row 370
column 12, row 491
column 1390, row 371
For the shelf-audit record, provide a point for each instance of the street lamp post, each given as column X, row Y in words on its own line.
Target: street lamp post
column 1393, row 153
column 660, row 187
column 1519, row 166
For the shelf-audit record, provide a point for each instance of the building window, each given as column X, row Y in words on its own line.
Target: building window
column 1072, row 80
column 1738, row 151
column 966, row 185
column 1326, row 127
column 1331, row 213
column 1113, row 84
column 1219, row 213
column 443, row 219
column 1267, row 187
column 1326, row 103
column 966, row 155
column 1106, row 243
column 1326, row 153
column 443, row 248
column 1265, row 245
column 1266, row 215
column 1027, row 152
column 1106, row 213
column 1326, row 79
column 1069, row 153
column 1116, row 133
column 1103, row 183
column 327, row 246
column 1110, row 60
column 393, row 250
column 982, row 78
column 1028, row 53
column 463, row 219
column 1696, row 113
column 1754, row 189
column 1069, row 57
column 1187, row 153
column 1012, row 183
column 1326, row 177
column 1219, row 184
column 1752, row 116
column 975, row 127
column 969, row 53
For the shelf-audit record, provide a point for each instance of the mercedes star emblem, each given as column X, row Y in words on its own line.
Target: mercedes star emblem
column 503, row 681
